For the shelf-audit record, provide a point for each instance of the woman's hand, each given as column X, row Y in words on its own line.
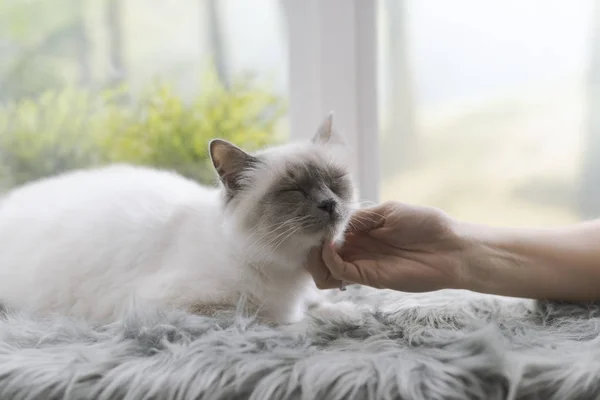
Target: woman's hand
column 394, row 246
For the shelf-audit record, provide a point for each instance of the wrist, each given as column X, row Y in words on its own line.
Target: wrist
column 489, row 261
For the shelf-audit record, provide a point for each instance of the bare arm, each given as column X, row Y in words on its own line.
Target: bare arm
column 554, row 264
column 419, row 249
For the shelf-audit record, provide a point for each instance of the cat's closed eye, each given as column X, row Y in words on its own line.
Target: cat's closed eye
column 341, row 177
column 297, row 190
column 340, row 186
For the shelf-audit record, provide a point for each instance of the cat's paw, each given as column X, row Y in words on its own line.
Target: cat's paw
column 343, row 311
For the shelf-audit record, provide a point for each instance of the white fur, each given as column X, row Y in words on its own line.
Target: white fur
column 88, row 242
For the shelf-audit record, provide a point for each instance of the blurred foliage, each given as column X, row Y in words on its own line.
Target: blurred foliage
column 38, row 46
column 74, row 128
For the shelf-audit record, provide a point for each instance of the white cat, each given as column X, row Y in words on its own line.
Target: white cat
column 86, row 242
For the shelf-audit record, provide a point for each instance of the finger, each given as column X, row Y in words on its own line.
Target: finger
column 319, row 271
column 340, row 269
column 366, row 219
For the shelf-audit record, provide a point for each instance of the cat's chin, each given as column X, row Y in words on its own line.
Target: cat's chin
column 291, row 255
column 330, row 234
column 302, row 244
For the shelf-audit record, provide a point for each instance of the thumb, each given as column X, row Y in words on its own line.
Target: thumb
column 340, row 269
column 318, row 269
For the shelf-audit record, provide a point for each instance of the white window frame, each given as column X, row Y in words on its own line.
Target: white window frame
column 333, row 67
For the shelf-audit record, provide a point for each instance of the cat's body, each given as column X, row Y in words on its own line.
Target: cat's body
column 89, row 242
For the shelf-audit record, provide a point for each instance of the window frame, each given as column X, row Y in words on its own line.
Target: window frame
column 333, row 67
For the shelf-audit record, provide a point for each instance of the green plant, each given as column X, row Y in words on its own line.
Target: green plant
column 165, row 132
column 46, row 136
column 75, row 128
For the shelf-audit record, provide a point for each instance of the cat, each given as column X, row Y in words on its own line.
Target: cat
column 86, row 242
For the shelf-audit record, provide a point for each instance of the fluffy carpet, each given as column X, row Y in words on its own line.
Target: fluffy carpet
column 445, row 345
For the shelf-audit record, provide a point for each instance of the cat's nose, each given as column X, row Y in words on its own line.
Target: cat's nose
column 327, row 205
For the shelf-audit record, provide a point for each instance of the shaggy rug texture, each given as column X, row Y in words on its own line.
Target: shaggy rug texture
column 444, row 345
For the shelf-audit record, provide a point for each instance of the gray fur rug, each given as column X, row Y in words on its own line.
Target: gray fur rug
column 444, row 345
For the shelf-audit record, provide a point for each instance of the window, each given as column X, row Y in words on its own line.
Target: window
column 87, row 82
column 485, row 108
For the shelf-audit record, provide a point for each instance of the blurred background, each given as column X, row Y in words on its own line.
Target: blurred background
column 486, row 109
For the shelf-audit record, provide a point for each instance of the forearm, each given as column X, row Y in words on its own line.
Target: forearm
column 555, row 264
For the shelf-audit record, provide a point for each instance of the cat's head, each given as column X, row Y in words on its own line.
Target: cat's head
column 288, row 198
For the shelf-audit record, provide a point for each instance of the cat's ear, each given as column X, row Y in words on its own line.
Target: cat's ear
column 230, row 162
column 327, row 132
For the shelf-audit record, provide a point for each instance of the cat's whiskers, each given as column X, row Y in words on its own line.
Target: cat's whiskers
column 260, row 268
column 353, row 225
column 274, row 239
column 300, row 221
column 365, row 218
column 371, row 212
column 270, row 242
column 265, row 247
column 281, row 225
column 364, row 222
column 373, row 219
column 278, row 226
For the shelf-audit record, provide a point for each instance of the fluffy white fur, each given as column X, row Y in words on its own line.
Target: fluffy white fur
column 87, row 243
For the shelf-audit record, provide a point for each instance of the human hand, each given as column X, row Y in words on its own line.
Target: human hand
column 394, row 246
